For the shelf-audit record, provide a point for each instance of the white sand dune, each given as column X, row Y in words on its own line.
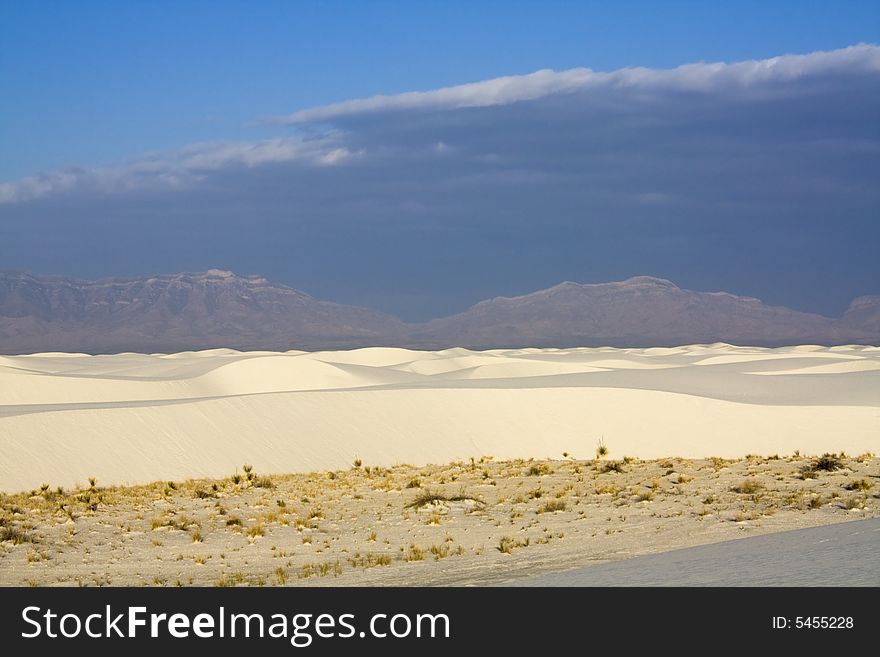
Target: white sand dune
column 131, row 418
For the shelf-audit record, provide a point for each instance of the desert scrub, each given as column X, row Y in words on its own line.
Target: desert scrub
column 612, row 466
column 748, row 487
column 507, row 544
column 538, row 470
column 15, row 535
column 414, row 553
column 439, row 551
column 645, row 496
column 321, row 569
column 369, row 560
column 828, row 462
column 854, row 502
column 859, row 485
column 551, row 506
column 432, row 497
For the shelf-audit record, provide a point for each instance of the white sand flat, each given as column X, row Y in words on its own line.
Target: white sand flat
column 132, row 418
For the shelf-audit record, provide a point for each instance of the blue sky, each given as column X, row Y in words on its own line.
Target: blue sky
column 92, row 81
column 133, row 140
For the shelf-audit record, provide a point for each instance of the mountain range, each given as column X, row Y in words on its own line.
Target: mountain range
column 217, row 308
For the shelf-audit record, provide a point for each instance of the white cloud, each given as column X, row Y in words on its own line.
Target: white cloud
column 180, row 169
column 515, row 88
column 784, row 76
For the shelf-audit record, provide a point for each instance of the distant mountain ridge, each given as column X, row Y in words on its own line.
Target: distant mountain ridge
column 646, row 311
column 217, row 308
column 177, row 312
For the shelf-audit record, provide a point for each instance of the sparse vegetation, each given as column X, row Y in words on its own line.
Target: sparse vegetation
column 828, row 463
column 551, row 506
column 538, row 470
column 432, row 497
column 748, row 487
column 245, row 532
column 414, row 553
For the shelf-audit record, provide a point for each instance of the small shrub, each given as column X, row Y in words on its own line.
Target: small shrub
column 507, row 544
column 859, row 485
column 613, row 466
column 551, row 506
column 828, row 463
column 428, row 496
column 538, row 470
column 15, row 535
column 748, row 487
column 439, row 551
column 853, row 502
column 414, row 553
column 717, row 462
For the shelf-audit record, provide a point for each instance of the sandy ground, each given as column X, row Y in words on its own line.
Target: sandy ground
column 135, row 418
column 842, row 554
column 465, row 523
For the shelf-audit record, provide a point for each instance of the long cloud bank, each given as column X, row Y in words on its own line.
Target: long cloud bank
column 778, row 78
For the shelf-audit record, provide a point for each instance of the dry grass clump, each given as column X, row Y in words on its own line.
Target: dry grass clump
column 369, row 560
column 748, row 487
column 428, row 496
column 828, row 462
column 507, row 544
column 551, row 506
column 539, row 470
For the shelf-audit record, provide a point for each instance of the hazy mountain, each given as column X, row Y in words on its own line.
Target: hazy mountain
column 640, row 311
column 863, row 315
column 177, row 312
column 219, row 309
